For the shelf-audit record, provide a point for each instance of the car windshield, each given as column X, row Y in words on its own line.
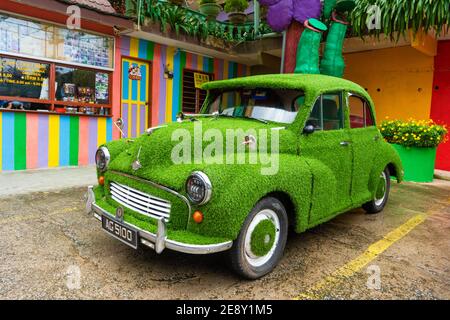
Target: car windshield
column 275, row 105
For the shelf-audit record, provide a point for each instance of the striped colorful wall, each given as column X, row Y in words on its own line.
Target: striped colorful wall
column 32, row 140
column 167, row 93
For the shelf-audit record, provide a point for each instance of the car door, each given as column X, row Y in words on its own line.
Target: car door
column 329, row 155
column 365, row 139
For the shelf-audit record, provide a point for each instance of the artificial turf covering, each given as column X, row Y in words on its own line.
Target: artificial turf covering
column 265, row 230
column 317, row 178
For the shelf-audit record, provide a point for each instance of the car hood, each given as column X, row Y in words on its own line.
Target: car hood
column 160, row 152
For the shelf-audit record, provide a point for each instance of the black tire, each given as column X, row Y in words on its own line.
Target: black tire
column 376, row 205
column 238, row 257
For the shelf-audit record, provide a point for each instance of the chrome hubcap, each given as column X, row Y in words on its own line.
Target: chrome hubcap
column 382, row 190
column 253, row 259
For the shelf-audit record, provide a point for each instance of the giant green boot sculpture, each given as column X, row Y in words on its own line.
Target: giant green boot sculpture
column 332, row 63
column 308, row 47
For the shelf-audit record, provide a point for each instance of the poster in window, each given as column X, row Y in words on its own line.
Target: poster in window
column 19, row 78
column 102, row 88
column 200, row 79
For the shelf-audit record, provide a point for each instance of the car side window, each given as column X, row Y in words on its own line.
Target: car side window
column 360, row 114
column 327, row 113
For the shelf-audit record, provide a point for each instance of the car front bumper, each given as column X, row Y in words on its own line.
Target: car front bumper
column 158, row 241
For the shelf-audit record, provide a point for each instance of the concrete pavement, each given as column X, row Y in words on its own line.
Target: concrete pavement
column 23, row 182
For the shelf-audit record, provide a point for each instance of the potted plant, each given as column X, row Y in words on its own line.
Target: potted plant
column 416, row 143
column 210, row 8
column 235, row 10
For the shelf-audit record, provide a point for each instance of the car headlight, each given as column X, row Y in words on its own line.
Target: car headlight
column 102, row 158
column 198, row 188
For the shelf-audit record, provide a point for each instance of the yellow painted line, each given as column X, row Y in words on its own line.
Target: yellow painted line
column 319, row 290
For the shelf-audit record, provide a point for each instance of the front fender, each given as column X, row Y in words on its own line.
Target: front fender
column 237, row 189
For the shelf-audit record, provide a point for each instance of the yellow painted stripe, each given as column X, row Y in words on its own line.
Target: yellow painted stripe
column 169, row 85
column 1, row 156
column 53, row 143
column 138, row 106
column 101, row 127
column 134, row 47
column 130, row 121
column 319, row 290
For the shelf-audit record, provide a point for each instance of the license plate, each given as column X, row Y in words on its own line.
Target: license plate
column 120, row 232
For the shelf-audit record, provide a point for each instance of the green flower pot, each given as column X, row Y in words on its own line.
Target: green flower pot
column 211, row 10
column 418, row 163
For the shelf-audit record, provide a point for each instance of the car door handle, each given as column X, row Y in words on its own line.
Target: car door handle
column 345, row 143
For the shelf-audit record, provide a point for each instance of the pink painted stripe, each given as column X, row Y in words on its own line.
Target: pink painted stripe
column 32, row 141
column 83, row 152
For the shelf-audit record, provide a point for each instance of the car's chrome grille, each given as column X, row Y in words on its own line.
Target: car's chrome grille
column 140, row 202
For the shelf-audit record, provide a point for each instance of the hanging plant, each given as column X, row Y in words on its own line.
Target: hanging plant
column 399, row 16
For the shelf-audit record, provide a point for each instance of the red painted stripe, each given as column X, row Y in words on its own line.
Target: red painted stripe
column 83, row 151
column 32, row 140
column 189, row 60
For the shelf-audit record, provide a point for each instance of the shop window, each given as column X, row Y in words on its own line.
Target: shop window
column 360, row 114
column 24, row 79
column 193, row 96
column 81, row 85
column 327, row 113
column 42, row 40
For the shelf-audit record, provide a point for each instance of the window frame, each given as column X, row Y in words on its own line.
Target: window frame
column 366, row 105
column 52, row 101
column 198, row 106
column 342, row 107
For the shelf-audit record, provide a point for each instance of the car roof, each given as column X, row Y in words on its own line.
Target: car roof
column 314, row 83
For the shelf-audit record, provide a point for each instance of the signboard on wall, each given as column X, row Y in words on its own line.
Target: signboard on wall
column 200, row 79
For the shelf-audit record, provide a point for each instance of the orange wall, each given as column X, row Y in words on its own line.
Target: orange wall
column 399, row 80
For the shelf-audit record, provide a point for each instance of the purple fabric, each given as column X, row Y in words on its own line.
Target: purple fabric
column 279, row 16
column 306, row 9
column 269, row 2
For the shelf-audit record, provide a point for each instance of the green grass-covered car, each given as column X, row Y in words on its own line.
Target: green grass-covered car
column 330, row 158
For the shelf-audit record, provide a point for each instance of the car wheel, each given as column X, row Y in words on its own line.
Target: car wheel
column 262, row 239
column 381, row 195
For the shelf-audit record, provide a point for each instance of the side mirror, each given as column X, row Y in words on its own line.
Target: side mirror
column 119, row 123
column 309, row 129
